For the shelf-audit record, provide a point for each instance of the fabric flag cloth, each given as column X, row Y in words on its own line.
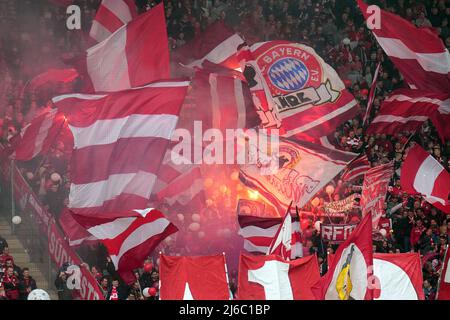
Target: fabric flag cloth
column 303, row 169
column 407, row 110
column 193, row 278
column 52, row 76
column 125, row 134
column 444, row 284
column 281, row 242
column 418, row 53
column 375, row 187
column 218, row 44
column 272, row 278
column 130, row 237
column 349, row 276
column 180, row 186
column 111, row 15
column 356, row 169
column 373, row 89
column 259, row 230
column 223, row 101
column 423, row 174
column 75, row 233
column 398, row 276
column 135, row 55
column 38, row 136
column 294, row 90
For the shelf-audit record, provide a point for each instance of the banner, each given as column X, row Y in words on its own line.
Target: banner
column 376, row 182
column 58, row 248
column 304, row 169
column 342, row 205
column 336, row 233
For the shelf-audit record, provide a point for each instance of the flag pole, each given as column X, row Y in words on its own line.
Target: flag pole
column 13, row 203
column 442, row 269
column 226, row 275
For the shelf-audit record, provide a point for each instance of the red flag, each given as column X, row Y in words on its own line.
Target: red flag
column 111, row 15
column 130, row 237
column 193, row 278
column 399, row 276
column 349, row 273
column 133, row 56
column 281, row 242
column 356, row 169
column 407, row 110
column 52, row 76
column 38, row 136
column 423, row 174
column 293, row 89
column 75, row 233
column 375, row 185
column 272, row 278
column 444, row 283
column 218, row 45
column 185, row 190
column 119, row 132
column 418, row 53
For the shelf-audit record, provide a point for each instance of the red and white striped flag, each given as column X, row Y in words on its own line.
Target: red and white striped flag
column 180, row 186
column 375, row 187
column 407, row 110
column 119, row 142
column 130, row 237
column 134, row 55
column 423, row 174
column 373, row 89
column 443, row 292
column 111, row 15
column 356, row 169
column 38, row 136
column 418, row 53
column 223, row 101
column 259, row 231
column 218, row 44
column 281, row 242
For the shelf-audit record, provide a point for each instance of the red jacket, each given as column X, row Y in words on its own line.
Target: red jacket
column 416, row 232
column 11, row 285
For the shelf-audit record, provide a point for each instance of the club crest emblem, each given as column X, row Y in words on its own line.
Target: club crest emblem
column 288, row 74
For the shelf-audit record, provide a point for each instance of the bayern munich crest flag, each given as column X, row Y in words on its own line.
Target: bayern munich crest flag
column 296, row 91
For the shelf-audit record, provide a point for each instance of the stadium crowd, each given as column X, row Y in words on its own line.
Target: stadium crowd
column 34, row 39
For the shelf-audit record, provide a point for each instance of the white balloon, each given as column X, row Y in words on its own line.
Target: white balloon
column 195, row 217
column 38, row 294
column 180, row 217
column 194, row 226
column 55, row 177
column 346, row 41
column 317, row 225
column 383, row 232
column 16, row 220
column 145, row 292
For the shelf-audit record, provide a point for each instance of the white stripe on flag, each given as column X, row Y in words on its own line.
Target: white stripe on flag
column 390, row 118
column 43, row 132
column 402, row 97
column 240, row 103
column 434, row 62
column 253, row 231
column 94, row 194
column 214, row 101
column 250, row 247
column 323, row 119
column 99, row 32
column 109, row 131
column 111, row 230
column 107, row 63
column 139, row 236
column 119, row 8
column 78, row 96
column 426, row 176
